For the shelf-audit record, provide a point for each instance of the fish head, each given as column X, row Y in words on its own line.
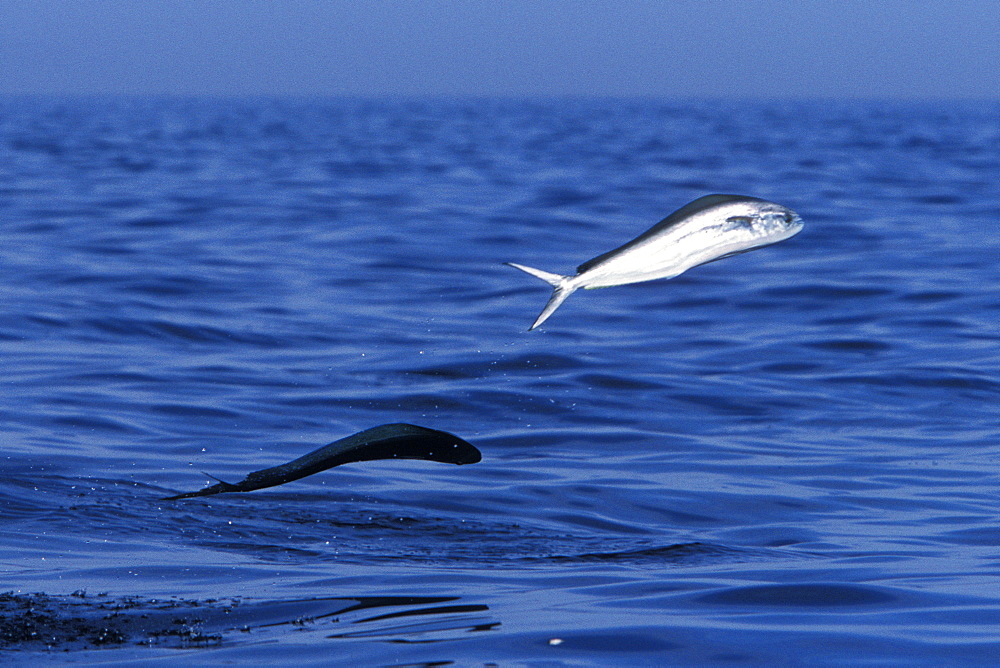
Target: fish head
column 760, row 222
column 777, row 220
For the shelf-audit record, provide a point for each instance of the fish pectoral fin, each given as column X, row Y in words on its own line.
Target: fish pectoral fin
column 221, row 481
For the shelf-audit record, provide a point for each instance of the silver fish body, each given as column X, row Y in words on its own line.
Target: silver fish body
column 708, row 229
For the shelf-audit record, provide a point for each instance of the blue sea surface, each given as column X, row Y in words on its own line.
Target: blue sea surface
column 789, row 457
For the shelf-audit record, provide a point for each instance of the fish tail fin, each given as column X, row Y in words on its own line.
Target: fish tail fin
column 562, row 288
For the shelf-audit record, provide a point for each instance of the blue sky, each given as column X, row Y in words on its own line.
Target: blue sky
column 663, row 48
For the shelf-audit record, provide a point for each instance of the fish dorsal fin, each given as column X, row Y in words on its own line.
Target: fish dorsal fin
column 681, row 214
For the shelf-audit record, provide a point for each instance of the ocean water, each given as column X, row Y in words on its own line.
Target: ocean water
column 790, row 457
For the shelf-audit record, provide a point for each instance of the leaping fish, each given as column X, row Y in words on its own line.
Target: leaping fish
column 707, row 229
column 389, row 441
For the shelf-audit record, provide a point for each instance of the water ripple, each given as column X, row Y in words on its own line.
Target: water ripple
column 791, row 449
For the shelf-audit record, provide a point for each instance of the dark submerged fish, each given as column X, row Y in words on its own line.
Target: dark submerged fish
column 707, row 229
column 389, row 441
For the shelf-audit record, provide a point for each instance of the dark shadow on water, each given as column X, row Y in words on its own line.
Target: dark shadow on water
column 34, row 622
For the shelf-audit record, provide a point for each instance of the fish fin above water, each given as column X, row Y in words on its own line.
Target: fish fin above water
column 218, row 488
column 559, row 295
column 561, row 289
column 555, row 280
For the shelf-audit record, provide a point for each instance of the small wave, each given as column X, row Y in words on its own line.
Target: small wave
column 850, row 345
column 686, row 553
column 825, row 292
column 534, row 363
column 803, row 595
column 160, row 329
column 942, row 379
